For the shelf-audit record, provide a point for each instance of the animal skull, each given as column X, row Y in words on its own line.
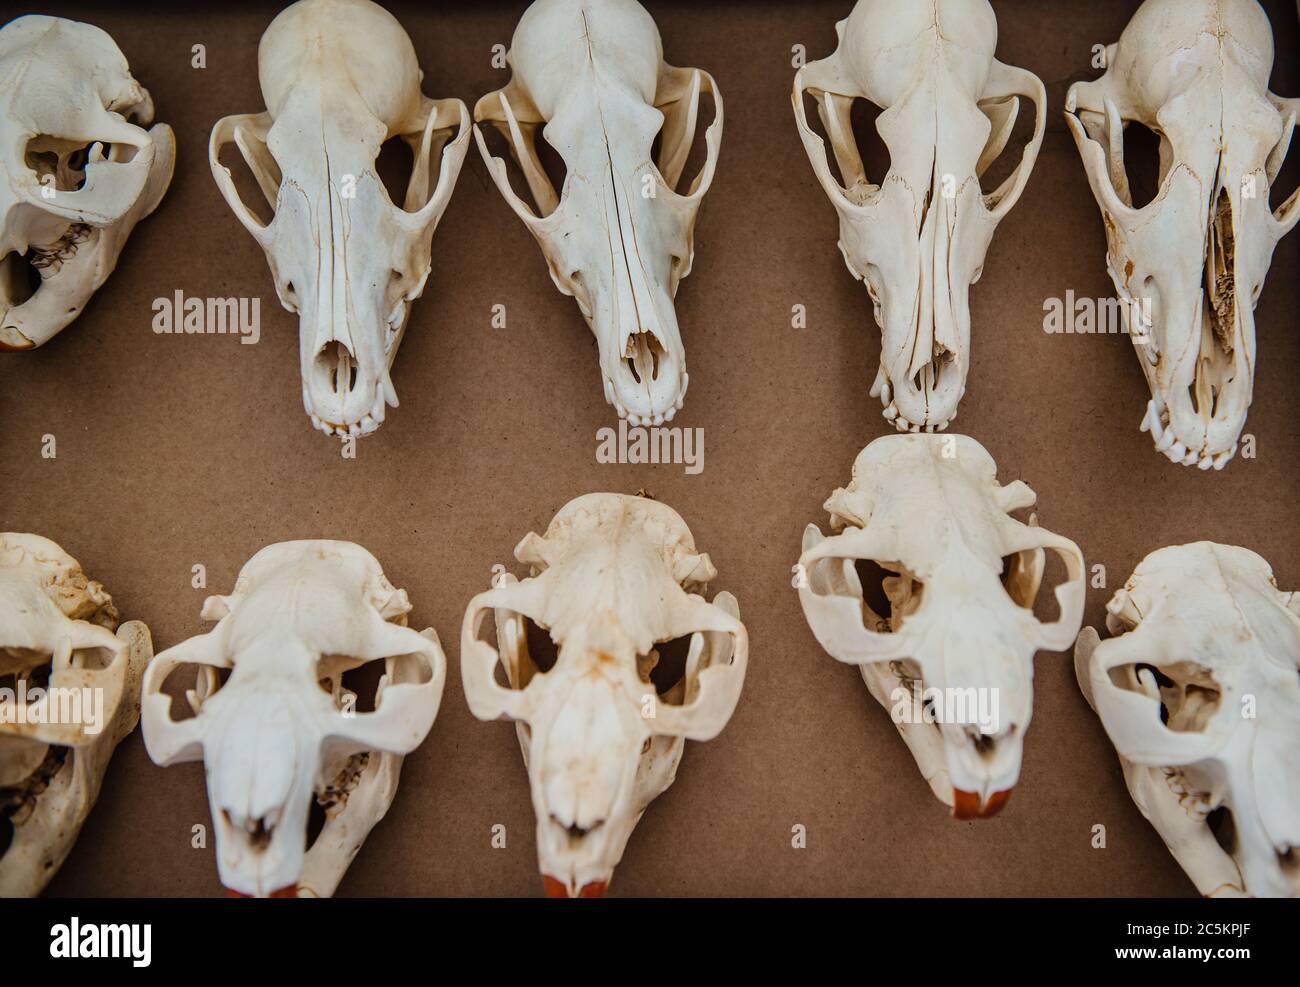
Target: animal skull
column 613, row 577
column 619, row 237
column 285, row 725
column 340, row 78
column 1196, row 73
column 961, row 627
column 919, row 238
column 70, row 696
column 76, row 172
column 1198, row 690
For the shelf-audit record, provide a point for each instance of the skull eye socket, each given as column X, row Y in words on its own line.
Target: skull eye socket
column 188, row 686
column 862, row 152
column 542, row 157
column 889, row 594
column 353, row 684
column 1144, row 149
column 665, row 669
column 1187, row 693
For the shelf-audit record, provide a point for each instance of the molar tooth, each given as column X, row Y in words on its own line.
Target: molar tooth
column 1206, row 461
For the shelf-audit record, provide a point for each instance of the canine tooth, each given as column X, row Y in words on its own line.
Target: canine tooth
column 1176, row 452
column 891, row 412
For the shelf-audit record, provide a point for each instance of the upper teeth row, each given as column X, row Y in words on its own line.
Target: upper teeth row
column 1156, row 421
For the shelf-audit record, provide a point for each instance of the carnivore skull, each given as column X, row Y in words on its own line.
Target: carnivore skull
column 619, row 236
column 286, row 726
column 918, row 239
column 960, row 634
column 340, row 78
column 69, row 691
column 1195, row 257
column 613, row 578
column 1199, row 691
column 77, row 171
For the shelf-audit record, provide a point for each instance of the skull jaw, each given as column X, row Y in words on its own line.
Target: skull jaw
column 81, row 261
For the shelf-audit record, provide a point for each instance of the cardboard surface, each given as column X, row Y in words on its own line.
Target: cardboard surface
column 175, row 451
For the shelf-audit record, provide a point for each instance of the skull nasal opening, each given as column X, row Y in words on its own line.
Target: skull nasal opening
column 336, row 368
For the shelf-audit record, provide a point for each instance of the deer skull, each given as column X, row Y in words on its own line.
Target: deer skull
column 613, row 577
column 1196, row 73
column 618, row 237
column 1199, row 692
column 961, row 631
column 69, row 696
column 285, row 725
column 76, row 172
column 918, row 239
column 340, row 78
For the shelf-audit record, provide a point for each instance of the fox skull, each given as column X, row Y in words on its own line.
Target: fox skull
column 619, row 236
column 918, row 239
column 77, row 171
column 340, row 77
column 1199, row 691
column 70, row 696
column 961, row 631
column 283, row 728
column 1192, row 262
column 613, row 577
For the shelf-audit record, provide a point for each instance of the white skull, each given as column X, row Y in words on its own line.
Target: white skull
column 340, row 78
column 56, row 636
column 1196, row 73
column 918, row 239
column 613, row 577
column 285, row 725
column 1200, row 695
column 929, row 510
column 76, row 173
column 619, row 237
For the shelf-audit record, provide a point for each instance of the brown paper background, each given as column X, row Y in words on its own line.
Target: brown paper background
column 174, row 451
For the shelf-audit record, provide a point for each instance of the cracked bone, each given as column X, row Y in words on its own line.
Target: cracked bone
column 284, row 728
column 918, row 239
column 962, row 578
column 1196, row 73
column 618, row 237
column 340, row 77
column 613, row 578
column 78, row 171
column 1199, row 691
column 57, row 635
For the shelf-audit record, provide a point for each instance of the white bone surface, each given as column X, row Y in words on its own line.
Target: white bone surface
column 67, row 89
column 284, row 727
column 618, row 237
column 1196, row 73
column 918, row 239
column 53, row 618
column 340, row 77
column 1199, row 690
column 613, row 577
column 962, row 577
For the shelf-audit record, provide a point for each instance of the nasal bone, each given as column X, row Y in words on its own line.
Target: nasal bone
column 935, row 316
column 634, row 304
